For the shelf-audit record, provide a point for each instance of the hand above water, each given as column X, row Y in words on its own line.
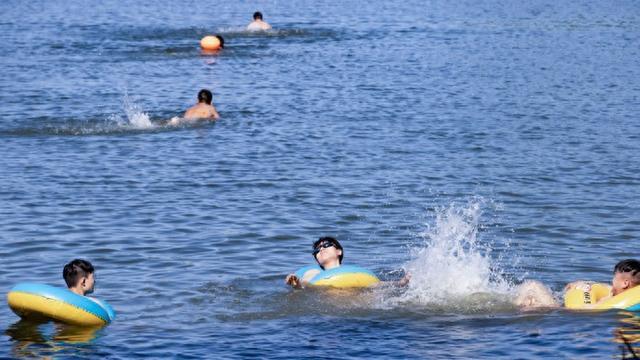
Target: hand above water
column 292, row 280
column 580, row 284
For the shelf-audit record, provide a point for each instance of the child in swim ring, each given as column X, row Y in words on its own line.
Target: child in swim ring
column 328, row 253
column 626, row 275
column 534, row 294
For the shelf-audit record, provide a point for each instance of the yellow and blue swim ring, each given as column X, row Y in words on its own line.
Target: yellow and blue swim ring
column 44, row 302
column 344, row 276
column 589, row 295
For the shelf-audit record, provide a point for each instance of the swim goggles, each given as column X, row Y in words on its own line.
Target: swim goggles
column 324, row 245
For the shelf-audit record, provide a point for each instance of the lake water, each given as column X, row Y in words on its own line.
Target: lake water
column 476, row 144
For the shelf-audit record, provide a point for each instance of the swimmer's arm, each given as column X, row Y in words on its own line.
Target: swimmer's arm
column 214, row 113
column 398, row 283
column 577, row 284
column 297, row 283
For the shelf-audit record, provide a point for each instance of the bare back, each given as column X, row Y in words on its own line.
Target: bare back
column 201, row 111
column 258, row 25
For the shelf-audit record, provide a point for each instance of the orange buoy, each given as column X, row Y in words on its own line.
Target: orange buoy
column 210, row 42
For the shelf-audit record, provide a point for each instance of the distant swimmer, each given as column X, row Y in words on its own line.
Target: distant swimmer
column 203, row 109
column 258, row 24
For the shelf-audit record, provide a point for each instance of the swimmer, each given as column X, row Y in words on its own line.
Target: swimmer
column 328, row 253
column 258, row 24
column 202, row 110
column 534, row 294
column 221, row 40
column 626, row 275
column 79, row 276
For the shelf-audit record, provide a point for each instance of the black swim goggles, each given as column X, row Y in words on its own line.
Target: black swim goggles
column 324, row 245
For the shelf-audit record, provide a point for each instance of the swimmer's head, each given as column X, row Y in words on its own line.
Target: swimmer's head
column 205, row 96
column 78, row 274
column 257, row 15
column 221, row 41
column 327, row 249
column 626, row 274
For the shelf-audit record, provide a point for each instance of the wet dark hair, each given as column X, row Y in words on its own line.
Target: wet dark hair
column 631, row 266
column 221, row 41
column 628, row 265
column 257, row 15
column 76, row 270
column 205, row 96
column 332, row 240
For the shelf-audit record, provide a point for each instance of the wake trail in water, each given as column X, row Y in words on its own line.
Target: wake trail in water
column 134, row 119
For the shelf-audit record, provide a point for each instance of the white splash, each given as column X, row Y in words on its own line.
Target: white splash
column 137, row 118
column 451, row 266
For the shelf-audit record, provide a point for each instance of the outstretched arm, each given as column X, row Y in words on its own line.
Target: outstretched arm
column 577, row 284
column 294, row 281
column 398, row 283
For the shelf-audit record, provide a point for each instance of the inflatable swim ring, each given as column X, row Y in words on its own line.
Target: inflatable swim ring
column 587, row 297
column 44, row 302
column 344, row 276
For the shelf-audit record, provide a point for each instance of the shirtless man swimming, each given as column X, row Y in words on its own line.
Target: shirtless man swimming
column 258, row 24
column 203, row 109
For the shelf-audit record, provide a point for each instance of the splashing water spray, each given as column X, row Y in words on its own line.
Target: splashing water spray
column 451, row 269
column 137, row 118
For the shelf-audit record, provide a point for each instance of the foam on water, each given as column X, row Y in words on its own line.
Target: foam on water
column 451, row 267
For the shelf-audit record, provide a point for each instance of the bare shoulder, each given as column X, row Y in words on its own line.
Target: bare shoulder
column 201, row 111
column 192, row 112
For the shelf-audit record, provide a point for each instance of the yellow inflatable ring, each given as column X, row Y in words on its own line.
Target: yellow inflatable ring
column 344, row 276
column 596, row 297
column 44, row 302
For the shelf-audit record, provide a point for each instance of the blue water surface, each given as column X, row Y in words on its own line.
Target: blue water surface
column 375, row 122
